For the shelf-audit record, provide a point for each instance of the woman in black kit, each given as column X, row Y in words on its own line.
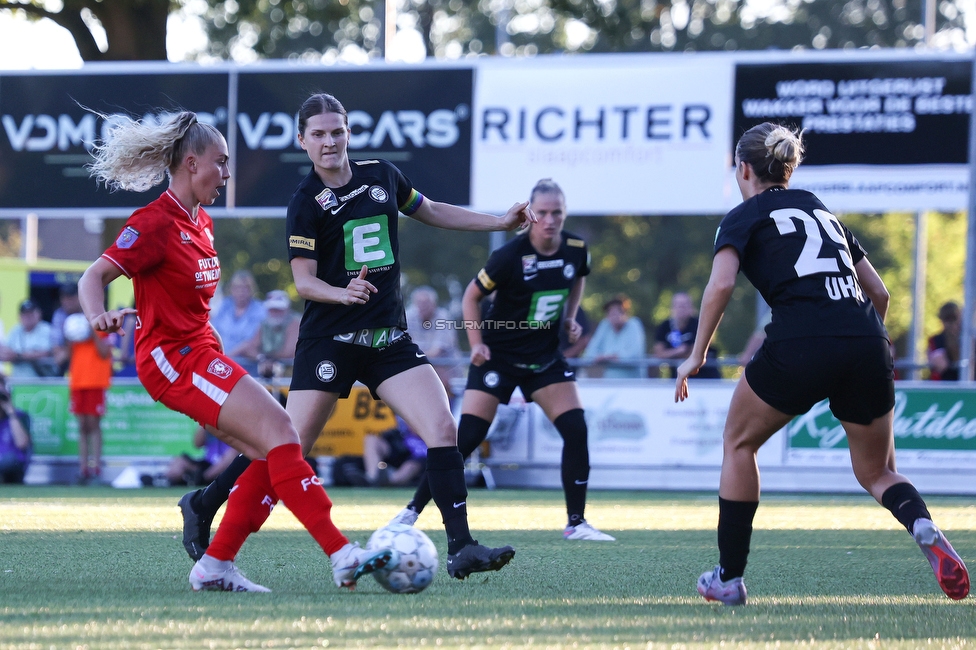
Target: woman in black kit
column 344, row 254
column 827, row 340
column 537, row 280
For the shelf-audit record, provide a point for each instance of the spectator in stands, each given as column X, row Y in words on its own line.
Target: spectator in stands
column 944, row 346
column 69, row 304
column 396, row 456
column 618, row 343
column 758, row 335
column 273, row 345
column 674, row 338
column 217, row 455
column 439, row 343
column 126, row 355
column 237, row 320
column 15, row 438
column 89, row 376
column 29, row 345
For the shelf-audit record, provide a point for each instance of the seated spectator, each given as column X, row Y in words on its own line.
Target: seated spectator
column 217, row 455
column 575, row 350
column 15, row 439
column 675, row 337
column 273, row 346
column 69, row 304
column 944, row 346
column 757, row 337
column 28, row 347
column 237, row 320
column 440, row 343
column 125, row 365
column 618, row 338
column 395, row 457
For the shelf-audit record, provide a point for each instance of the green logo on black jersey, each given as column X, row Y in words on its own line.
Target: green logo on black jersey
column 367, row 242
column 547, row 306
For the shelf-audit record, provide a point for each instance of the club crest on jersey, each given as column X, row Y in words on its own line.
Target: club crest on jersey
column 325, row 371
column 327, row 199
column 569, row 271
column 185, row 238
column 127, row 237
column 491, row 379
column 378, row 194
column 220, row 369
column 529, row 264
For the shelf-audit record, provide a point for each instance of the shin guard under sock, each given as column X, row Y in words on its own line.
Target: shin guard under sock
column 248, row 507
column 575, row 462
column 472, row 431
column 445, row 473
column 734, row 534
column 207, row 502
column 302, row 493
column 906, row 504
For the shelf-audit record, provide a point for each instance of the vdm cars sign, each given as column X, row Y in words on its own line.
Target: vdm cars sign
column 419, row 119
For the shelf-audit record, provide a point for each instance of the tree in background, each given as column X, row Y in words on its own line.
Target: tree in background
column 320, row 30
column 134, row 30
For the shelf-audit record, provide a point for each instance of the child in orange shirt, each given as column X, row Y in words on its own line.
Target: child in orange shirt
column 90, row 375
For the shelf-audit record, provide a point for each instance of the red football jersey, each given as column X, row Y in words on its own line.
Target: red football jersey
column 171, row 260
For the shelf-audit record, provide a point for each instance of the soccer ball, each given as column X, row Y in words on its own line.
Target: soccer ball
column 418, row 558
column 77, row 328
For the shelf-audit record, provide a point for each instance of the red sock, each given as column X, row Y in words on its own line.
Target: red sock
column 248, row 507
column 303, row 494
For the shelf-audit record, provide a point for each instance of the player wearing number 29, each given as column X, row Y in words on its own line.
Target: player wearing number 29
column 537, row 280
column 827, row 340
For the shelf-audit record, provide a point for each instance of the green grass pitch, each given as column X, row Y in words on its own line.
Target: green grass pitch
column 103, row 568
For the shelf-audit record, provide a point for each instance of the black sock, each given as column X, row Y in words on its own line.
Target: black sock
column 207, row 501
column 472, row 431
column 734, row 533
column 445, row 473
column 906, row 504
column 575, row 463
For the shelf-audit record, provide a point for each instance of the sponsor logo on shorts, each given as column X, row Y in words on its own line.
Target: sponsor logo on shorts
column 326, row 371
column 569, row 271
column 378, row 194
column 127, row 237
column 220, row 369
column 491, row 379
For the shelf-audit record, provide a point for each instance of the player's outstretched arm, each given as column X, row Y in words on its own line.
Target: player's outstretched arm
column 452, row 217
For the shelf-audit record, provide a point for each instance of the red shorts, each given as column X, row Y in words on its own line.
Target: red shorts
column 87, row 401
column 202, row 384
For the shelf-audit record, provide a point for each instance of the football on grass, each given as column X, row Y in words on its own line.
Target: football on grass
column 418, row 558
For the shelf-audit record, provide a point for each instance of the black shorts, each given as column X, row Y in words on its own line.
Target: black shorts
column 855, row 373
column 333, row 366
column 499, row 378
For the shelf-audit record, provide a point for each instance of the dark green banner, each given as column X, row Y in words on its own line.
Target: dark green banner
column 925, row 419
